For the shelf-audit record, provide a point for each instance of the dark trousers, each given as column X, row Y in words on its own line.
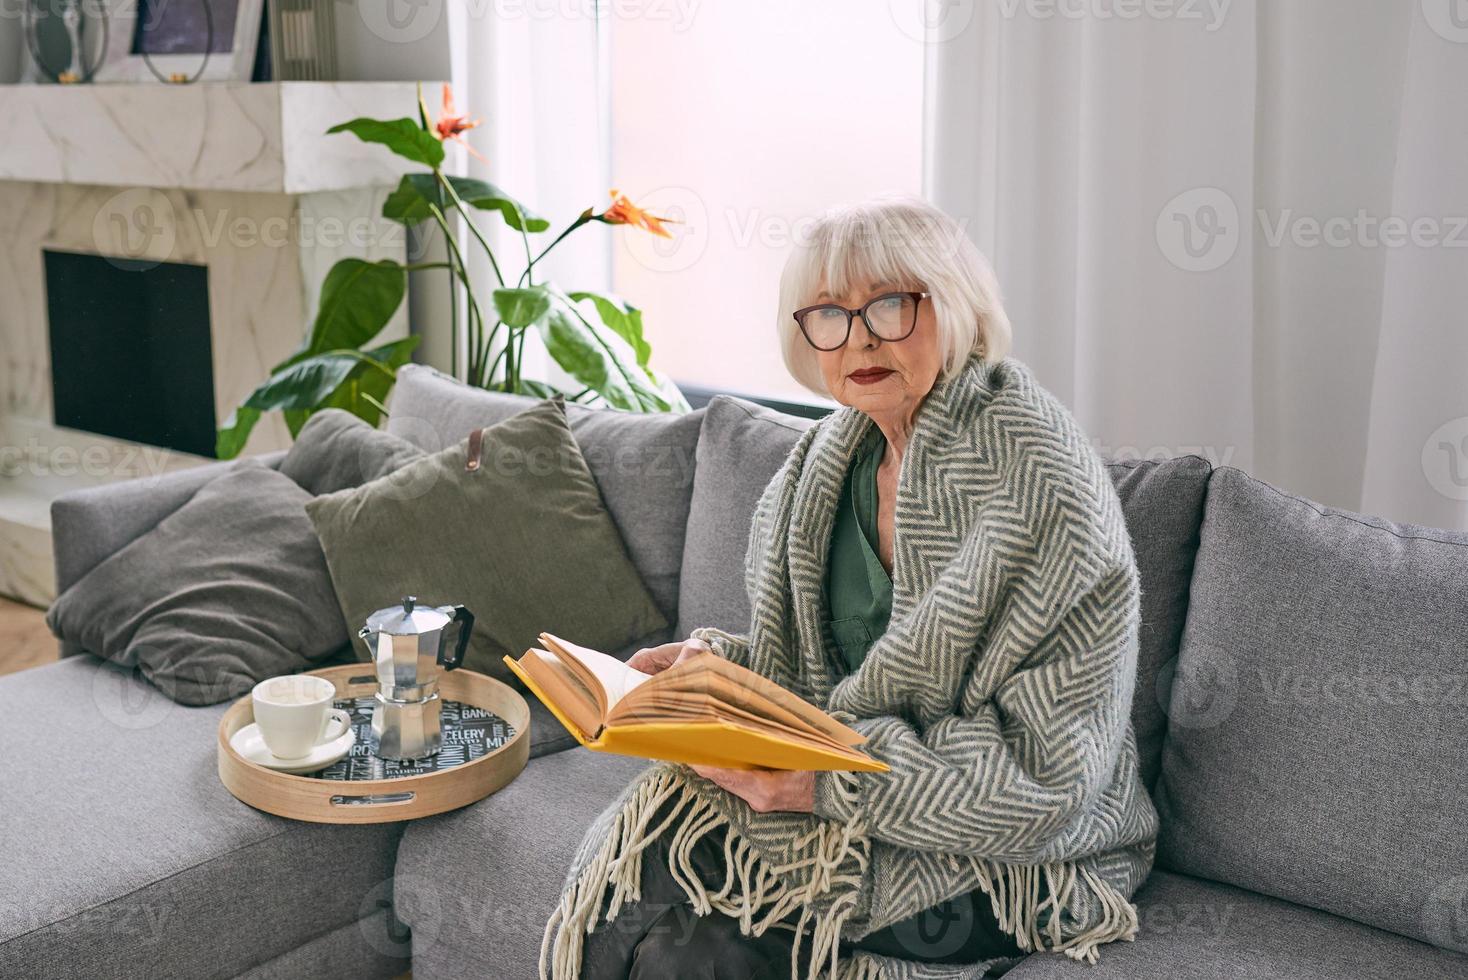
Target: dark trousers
column 660, row 937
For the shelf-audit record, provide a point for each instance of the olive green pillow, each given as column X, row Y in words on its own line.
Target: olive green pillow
column 523, row 540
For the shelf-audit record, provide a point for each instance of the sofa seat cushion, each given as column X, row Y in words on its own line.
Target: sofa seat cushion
column 1316, row 747
column 125, row 856
column 642, row 463
column 1193, row 929
column 477, row 885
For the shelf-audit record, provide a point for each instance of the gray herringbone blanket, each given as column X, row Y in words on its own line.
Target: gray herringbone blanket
column 1000, row 695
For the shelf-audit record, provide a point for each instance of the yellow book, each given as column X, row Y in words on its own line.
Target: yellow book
column 704, row 711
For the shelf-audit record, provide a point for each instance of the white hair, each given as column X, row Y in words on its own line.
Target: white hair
column 905, row 242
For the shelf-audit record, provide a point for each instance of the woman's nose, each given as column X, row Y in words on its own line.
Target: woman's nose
column 861, row 335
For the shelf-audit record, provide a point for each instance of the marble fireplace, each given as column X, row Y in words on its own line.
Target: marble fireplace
column 162, row 247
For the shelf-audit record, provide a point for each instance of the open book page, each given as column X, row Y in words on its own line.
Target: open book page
column 608, row 678
column 563, row 691
column 708, row 687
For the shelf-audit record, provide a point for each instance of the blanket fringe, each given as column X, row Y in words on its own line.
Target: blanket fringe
column 1014, row 891
column 753, row 892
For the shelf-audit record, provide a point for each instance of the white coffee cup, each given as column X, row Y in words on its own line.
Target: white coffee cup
column 294, row 714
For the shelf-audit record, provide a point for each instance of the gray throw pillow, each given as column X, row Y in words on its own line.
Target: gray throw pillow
column 335, row 450
column 524, row 541
column 227, row 590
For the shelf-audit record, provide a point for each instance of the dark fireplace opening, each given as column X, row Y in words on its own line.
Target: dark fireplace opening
column 130, row 350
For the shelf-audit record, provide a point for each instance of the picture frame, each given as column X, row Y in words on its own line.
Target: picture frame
column 176, row 35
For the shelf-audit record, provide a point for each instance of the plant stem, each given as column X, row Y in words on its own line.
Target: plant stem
column 497, row 357
column 460, row 267
column 462, row 208
column 529, row 262
column 583, row 219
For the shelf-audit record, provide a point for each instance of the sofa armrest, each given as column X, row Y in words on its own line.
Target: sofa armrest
column 89, row 525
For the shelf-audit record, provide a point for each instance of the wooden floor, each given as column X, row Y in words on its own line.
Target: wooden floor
column 24, row 639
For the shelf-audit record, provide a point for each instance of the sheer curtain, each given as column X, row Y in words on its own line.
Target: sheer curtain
column 1238, row 229
column 532, row 74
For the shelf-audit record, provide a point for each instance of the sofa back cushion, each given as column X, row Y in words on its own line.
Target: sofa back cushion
column 1162, row 501
column 1317, row 747
column 739, row 450
column 643, row 464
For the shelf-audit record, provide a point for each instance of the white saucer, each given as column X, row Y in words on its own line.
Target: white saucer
column 249, row 743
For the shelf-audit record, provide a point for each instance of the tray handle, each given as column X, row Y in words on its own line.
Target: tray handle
column 375, row 799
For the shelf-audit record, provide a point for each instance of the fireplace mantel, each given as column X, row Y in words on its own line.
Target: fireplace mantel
column 238, row 178
column 259, row 137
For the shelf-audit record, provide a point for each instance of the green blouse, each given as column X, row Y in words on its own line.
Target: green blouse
column 858, row 588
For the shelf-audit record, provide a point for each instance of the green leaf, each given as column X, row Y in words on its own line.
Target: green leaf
column 670, row 391
column 235, row 432
column 521, row 307
column 541, row 389
column 409, row 202
column 622, row 317
column 304, row 384
column 358, row 298
column 405, row 137
column 366, row 384
column 656, row 389
column 598, row 357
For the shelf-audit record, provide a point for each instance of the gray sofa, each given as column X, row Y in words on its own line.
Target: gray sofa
column 1300, row 712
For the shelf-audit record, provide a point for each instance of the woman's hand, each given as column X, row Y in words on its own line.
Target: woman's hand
column 766, row 790
column 655, row 660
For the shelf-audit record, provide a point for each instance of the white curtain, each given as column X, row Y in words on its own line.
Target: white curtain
column 531, row 74
column 1231, row 227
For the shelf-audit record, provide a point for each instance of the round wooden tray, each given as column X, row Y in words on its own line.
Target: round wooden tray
column 381, row 800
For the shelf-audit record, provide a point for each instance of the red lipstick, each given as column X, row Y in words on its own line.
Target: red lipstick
column 867, row 376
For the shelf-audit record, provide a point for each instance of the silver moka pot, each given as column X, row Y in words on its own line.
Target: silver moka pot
column 408, row 643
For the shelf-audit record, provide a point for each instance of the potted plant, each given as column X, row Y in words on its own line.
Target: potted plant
column 596, row 338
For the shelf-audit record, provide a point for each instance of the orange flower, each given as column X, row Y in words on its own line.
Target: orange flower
column 624, row 212
column 451, row 125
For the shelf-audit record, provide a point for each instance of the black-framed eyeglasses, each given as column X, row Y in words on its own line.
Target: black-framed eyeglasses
column 890, row 317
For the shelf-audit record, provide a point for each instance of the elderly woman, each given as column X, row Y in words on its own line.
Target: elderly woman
column 942, row 564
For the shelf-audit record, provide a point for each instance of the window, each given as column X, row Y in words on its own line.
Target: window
column 745, row 120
